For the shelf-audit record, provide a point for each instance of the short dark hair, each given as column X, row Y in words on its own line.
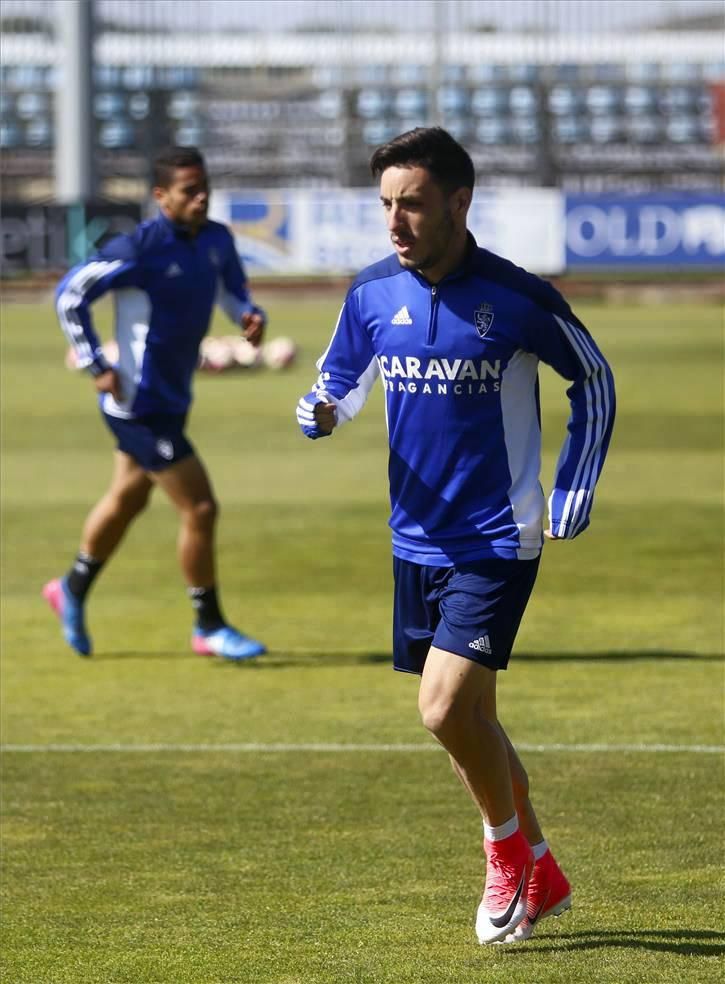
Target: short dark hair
column 432, row 148
column 169, row 160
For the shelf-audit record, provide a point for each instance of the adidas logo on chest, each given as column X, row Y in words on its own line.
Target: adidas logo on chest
column 402, row 317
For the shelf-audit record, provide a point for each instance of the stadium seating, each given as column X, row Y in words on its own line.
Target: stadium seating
column 318, row 123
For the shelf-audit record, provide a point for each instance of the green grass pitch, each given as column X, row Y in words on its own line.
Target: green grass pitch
column 296, row 866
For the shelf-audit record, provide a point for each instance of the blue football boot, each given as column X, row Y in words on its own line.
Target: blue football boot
column 70, row 612
column 226, row 642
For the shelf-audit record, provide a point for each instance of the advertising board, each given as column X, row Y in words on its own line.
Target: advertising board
column 339, row 231
column 666, row 230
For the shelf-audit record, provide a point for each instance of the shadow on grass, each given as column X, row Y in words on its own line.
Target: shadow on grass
column 316, row 657
column 617, row 657
column 686, row 942
column 271, row 660
column 108, row 654
column 312, row 657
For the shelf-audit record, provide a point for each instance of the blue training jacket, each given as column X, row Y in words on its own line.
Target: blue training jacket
column 459, row 364
column 165, row 283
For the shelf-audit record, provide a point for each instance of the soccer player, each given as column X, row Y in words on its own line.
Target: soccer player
column 456, row 334
column 165, row 278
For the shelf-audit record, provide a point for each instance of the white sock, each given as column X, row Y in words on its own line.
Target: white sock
column 502, row 831
column 539, row 849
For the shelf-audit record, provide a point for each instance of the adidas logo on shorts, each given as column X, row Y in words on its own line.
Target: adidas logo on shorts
column 481, row 645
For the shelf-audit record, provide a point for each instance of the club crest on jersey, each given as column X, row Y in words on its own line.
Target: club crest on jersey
column 483, row 318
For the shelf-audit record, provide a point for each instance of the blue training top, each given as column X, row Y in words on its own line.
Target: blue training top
column 459, row 364
column 165, row 283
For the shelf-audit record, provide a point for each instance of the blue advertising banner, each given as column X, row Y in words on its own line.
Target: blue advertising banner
column 666, row 230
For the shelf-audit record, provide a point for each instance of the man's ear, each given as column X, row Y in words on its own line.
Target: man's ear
column 461, row 200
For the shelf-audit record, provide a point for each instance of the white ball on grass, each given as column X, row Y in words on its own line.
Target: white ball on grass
column 215, row 355
column 245, row 354
column 278, row 353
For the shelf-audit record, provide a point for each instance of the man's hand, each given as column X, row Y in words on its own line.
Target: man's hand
column 551, row 536
column 109, row 382
column 316, row 417
column 253, row 327
column 325, row 417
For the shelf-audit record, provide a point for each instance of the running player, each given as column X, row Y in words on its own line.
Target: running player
column 165, row 278
column 456, row 334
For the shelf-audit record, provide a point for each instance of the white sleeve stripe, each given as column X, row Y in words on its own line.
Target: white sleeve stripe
column 584, row 501
column 584, row 498
column 322, row 358
column 70, row 299
column 602, row 389
column 594, row 382
column 584, row 507
column 71, row 325
column 595, row 464
column 352, row 402
column 578, row 503
column 589, row 438
column 597, row 397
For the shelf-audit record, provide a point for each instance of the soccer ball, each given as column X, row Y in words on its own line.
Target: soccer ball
column 215, row 355
column 245, row 354
column 278, row 353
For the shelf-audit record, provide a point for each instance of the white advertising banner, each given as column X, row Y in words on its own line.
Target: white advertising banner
column 339, row 231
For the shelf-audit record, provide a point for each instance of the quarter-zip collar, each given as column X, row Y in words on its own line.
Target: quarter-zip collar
column 177, row 229
column 461, row 270
column 435, row 289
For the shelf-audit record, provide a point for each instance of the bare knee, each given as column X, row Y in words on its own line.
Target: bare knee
column 202, row 514
column 438, row 712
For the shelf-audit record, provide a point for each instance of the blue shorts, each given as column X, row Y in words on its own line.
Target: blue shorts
column 473, row 610
column 156, row 441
